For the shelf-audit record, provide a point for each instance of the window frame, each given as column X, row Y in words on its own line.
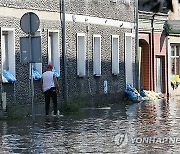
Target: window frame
column 38, row 66
column 175, row 57
column 11, row 49
column 55, row 55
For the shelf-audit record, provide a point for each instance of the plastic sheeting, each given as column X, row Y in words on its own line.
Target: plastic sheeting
column 134, row 96
column 36, row 74
column 132, row 93
column 8, row 77
column 55, row 72
column 175, row 81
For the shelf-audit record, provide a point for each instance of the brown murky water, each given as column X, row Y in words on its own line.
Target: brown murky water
column 147, row 127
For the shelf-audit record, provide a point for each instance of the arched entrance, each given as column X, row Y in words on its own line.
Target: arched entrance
column 145, row 74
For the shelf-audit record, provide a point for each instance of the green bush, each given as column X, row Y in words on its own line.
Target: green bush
column 16, row 112
column 74, row 104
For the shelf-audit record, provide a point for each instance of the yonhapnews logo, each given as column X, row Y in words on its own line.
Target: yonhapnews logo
column 123, row 139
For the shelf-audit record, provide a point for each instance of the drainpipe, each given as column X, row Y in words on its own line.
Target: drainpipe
column 152, row 62
column 167, row 63
column 63, row 23
column 137, row 44
column 1, row 90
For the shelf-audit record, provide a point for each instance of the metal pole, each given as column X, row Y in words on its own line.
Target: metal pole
column 31, row 69
column 63, row 23
column 152, row 34
column 1, row 89
column 137, row 43
column 32, row 89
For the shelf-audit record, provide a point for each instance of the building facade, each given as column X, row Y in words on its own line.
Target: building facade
column 99, row 57
column 173, row 33
column 152, row 50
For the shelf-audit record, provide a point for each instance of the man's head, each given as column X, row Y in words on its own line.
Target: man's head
column 49, row 67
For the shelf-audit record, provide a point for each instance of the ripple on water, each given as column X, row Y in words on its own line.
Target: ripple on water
column 95, row 131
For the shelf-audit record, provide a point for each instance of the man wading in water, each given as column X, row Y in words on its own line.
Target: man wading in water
column 50, row 88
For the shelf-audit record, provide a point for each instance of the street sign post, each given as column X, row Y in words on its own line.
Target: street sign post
column 29, row 22
column 30, row 46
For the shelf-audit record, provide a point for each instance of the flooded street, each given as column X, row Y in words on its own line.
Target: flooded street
column 147, row 127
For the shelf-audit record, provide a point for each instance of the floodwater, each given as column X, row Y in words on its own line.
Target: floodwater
column 147, row 127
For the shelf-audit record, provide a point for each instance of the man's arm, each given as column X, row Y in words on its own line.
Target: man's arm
column 56, row 83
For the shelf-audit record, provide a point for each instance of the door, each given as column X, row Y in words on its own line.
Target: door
column 158, row 74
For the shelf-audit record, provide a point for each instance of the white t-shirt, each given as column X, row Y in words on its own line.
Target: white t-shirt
column 48, row 81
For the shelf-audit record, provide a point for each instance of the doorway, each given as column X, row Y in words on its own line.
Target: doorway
column 144, row 64
column 159, row 74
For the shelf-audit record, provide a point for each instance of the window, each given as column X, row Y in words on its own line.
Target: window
column 53, row 51
column 115, row 54
column 175, row 49
column 8, row 50
column 97, row 55
column 159, row 74
column 81, row 55
column 38, row 66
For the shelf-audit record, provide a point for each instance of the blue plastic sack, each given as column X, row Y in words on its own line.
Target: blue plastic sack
column 55, row 72
column 131, row 94
column 142, row 93
column 36, row 74
column 9, row 76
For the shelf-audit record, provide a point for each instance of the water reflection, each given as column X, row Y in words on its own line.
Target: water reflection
column 95, row 130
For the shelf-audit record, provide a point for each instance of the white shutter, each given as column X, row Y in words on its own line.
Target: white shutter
column 115, row 54
column 81, row 55
column 11, row 51
column 3, row 51
column 97, row 55
column 128, row 59
column 50, row 48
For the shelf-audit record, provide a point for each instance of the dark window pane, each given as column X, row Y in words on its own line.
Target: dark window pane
column 173, row 65
column 177, row 66
column 172, row 51
column 177, row 50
